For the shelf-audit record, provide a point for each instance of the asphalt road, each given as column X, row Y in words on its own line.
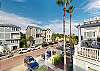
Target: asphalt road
column 17, row 61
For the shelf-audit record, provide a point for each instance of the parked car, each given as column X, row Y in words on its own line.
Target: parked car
column 37, row 48
column 29, row 59
column 31, row 63
column 22, row 50
column 33, row 46
column 33, row 66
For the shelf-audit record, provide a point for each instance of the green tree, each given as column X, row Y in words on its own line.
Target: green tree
column 74, row 40
column 31, row 40
column 53, row 37
column 23, row 41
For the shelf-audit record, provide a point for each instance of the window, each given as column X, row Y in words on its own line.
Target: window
column 89, row 34
column 37, row 35
column 93, row 34
column 49, row 36
column 84, row 34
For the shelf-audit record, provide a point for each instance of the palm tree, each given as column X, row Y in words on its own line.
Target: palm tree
column 70, row 11
column 64, row 3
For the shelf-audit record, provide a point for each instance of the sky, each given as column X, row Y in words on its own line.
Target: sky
column 47, row 14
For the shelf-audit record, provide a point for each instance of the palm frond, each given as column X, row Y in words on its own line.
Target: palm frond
column 60, row 2
column 67, row 11
column 68, row 2
column 71, row 9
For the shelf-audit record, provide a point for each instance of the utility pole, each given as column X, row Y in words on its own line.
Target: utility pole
column 64, row 22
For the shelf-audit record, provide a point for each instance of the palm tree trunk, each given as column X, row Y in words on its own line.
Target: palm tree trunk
column 70, row 30
column 70, row 25
column 64, row 22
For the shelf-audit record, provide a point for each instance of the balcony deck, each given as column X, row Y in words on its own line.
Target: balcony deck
column 90, row 53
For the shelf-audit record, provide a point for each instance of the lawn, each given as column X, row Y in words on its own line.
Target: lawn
column 42, row 68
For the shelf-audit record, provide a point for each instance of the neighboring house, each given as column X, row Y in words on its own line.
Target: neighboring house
column 87, row 57
column 91, row 31
column 36, row 33
column 9, row 36
column 47, row 35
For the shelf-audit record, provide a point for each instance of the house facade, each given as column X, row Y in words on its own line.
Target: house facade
column 36, row 33
column 87, row 57
column 9, row 36
column 47, row 35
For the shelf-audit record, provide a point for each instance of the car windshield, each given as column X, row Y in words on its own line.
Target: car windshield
column 31, row 59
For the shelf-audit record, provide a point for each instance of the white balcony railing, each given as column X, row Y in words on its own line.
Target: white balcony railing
column 89, row 53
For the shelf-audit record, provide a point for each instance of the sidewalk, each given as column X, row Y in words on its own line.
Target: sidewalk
column 52, row 66
column 40, row 60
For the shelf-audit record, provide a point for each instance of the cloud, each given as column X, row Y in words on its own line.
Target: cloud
column 10, row 18
column 57, row 27
column 92, row 7
column 19, row 0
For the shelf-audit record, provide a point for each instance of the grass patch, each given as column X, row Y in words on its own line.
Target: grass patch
column 42, row 68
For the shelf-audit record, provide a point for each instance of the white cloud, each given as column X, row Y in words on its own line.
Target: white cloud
column 19, row 0
column 8, row 18
column 57, row 26
column 92, row 7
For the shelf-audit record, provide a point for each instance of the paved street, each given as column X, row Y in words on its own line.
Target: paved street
column 18, row 60
column 18, row 68
column 13, row 62
column 23, row 68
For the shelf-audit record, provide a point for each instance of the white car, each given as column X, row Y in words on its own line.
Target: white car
column 22, row 50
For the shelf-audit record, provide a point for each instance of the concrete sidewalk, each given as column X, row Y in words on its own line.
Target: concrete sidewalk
column 52, row 66
column 48, row 64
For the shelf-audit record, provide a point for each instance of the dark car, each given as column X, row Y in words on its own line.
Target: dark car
column 33, row 66
column 29, row 59
column 31, row 63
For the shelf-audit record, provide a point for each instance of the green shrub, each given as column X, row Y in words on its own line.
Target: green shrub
column 57, row 59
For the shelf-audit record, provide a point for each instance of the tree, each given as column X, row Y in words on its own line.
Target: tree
column 23, row 41
column 74, row 40
column 70, row 11
column 64, row 3
column 53, row 37
column 31, row 40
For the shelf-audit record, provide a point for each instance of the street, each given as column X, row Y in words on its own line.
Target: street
column 18, row 60
column 16, row 63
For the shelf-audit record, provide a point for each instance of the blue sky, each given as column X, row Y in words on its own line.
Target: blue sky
column 47, row 14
